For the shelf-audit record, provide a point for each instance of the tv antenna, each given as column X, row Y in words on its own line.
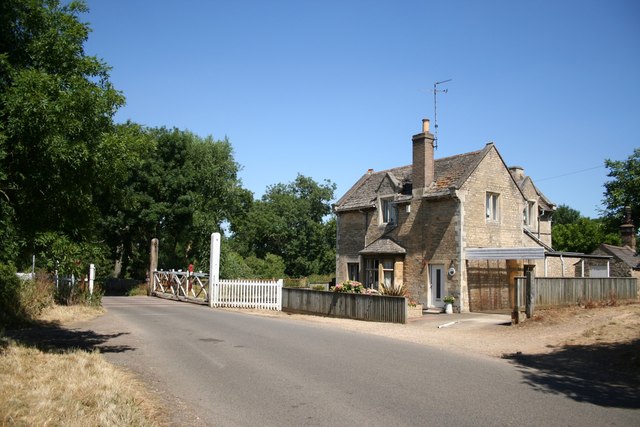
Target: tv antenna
column 435, row 108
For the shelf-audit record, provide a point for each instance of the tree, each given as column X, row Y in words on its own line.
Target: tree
column 56, row 104
column 583, row 236
column 184, row 188
column 565, row 215
column 293, row 222
column 623, row 190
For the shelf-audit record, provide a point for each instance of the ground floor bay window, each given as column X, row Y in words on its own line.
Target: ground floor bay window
column 378, row 270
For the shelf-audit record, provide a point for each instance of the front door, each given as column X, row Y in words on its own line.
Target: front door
column 436, row 285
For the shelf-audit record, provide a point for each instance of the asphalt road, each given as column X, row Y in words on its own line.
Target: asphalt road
column 222, row 368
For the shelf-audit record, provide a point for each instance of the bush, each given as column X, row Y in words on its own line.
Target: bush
column 349, row 286
column 36, row 295
column 392, row 290
column 10, row 309
column 22, row 301
column 78, row 293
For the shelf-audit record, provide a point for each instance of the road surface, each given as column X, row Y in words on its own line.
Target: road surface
column 225, row 368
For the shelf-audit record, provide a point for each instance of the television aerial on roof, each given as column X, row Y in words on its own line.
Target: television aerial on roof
column 435, row 108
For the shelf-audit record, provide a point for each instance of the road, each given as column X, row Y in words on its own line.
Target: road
column 224, row 368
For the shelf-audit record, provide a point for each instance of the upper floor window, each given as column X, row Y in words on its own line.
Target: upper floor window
column 389, row 211
column 493, row 207
column 529, row 213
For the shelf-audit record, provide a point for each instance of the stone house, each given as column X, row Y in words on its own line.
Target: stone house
column 464, row 225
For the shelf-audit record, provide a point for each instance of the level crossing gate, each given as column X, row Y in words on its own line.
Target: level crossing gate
column 207, row 288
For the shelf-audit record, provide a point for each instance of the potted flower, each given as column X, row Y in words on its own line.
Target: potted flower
column 448, row 303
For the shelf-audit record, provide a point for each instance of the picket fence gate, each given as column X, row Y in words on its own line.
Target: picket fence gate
column 195, row 287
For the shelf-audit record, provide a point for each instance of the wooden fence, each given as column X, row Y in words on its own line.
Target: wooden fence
column 555, row 291
column 376, row 308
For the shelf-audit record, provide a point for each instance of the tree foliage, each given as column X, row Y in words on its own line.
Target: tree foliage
column 76, row 188
column 183, row 189
column 290, row 221
column 564, row 215
column 622, row 190
column 56, row 103
column 583, row 235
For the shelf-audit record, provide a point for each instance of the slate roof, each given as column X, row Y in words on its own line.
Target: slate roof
column 450, row 172
column 623, row 253
column 543, row 202
column 383, row 245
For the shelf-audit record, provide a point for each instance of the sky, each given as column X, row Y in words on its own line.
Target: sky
column 330, row 89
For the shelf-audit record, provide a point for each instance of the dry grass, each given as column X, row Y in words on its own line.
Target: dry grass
column 61, row 314
column 72, row 388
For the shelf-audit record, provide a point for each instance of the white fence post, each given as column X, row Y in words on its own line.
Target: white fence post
column 214, row 268
column 92, row 277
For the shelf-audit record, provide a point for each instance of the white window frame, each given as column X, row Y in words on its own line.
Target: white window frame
column 388, row 211
column 379, row 270
column 529, row 212
column 492, row 207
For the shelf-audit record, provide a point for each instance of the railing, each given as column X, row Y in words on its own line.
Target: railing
column 181, row 284
column 265, row 295
column 376, row 308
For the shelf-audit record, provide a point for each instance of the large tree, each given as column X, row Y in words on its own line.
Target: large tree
column 56, row 105
column 292, row 221
column 184, row 188
column 622, row 190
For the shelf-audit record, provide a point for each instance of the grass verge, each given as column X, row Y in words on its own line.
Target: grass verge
column 71, row 387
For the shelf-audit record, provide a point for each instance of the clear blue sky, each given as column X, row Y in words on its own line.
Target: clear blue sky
column 330, row 88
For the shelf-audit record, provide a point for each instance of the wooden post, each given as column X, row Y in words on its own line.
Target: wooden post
column 531, row 295
column 153, row 266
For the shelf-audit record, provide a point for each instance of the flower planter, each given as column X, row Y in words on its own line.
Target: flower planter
column 448, row 308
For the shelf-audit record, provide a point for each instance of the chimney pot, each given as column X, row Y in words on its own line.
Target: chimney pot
column 425, row 125
column 423, row 162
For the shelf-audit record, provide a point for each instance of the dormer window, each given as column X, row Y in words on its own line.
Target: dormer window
column 529, row 213
column 389, row 212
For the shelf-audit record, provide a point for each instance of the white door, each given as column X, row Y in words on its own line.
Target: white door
column 437, row 285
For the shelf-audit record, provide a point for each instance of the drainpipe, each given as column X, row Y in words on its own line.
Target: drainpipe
column 562, row 264
column 461, row 262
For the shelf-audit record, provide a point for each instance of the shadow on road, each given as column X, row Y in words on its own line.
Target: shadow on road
column 605, row 375
column 53, row 338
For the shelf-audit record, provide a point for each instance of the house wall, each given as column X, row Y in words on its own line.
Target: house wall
column 429, row 234
column 350, row 239
column 492, row 176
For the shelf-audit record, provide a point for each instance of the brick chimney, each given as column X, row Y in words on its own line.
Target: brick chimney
column 423, row 164
column 517, row 172
column 627, row 230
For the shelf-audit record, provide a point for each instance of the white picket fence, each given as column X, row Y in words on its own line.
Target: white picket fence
column 259, row 294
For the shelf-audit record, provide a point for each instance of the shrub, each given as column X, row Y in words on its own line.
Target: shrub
column 349, row 286
column 318, row 288
column 36, row 295
column 10, row 309
column 392, row 290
